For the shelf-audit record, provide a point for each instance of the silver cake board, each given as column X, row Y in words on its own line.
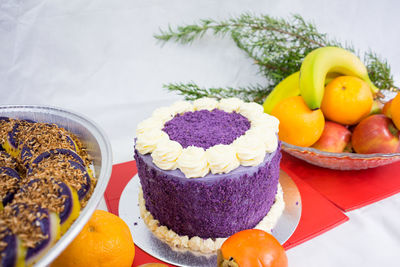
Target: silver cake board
column 129, row 211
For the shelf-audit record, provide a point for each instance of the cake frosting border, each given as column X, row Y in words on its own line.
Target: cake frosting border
column 210, row 245
column 166, row 153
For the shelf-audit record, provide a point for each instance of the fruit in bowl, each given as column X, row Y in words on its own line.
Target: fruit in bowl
column 386, row 110
column 299, row 125
column 347, row 100
column 376, row 134
column 334, row 138
column 395, row 110
column 335, row 83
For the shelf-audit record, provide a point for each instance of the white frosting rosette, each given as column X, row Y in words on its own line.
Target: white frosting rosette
column 205, row 103
column 230, row 104
column 222, row 158
column 147, row 142
column 193, row 162
column 247, row 150
column 181, row 107
column 166, row 154
column 150, row 124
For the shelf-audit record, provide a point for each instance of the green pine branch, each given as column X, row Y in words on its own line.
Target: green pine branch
column 277, row 46
column 379, row 70
column 191, row 91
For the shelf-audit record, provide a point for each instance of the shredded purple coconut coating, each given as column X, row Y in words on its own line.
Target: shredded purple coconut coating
column 217, row 205
column 206, row 128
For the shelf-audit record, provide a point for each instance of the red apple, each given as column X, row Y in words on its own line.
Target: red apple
column 376, row 134
column 386, row 109
column 334, row 138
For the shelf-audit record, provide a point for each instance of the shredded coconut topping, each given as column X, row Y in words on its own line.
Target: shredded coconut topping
column 8, row 184
column 35, row 193
column 21, row 219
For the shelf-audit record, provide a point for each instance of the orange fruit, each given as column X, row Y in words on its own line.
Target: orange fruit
column 298, row 124
column 253, row 247
column 395, row 110
column 104, row 241
column 386, row 109
column 347, row 100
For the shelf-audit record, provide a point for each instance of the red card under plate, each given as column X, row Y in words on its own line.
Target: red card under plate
column 309, row 226
column 348, row 190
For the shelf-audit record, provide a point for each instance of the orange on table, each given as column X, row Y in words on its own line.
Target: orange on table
column 104, row 241
column 347, row 100
column 298, row 124
column 395, row 110
column 254, row 248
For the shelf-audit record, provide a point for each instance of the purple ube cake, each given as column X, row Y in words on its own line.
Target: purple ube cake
column 219, row 203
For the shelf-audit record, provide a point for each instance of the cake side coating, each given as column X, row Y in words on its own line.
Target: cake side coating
column 208, row 245
column 211, row 206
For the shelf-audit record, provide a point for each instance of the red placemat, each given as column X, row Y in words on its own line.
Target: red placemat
column 309, row 226
column 120, row 176
column 348, row 190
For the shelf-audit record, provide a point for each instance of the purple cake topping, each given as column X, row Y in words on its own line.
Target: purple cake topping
column 206, row 128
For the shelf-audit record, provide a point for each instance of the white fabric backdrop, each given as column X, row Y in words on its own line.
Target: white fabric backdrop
column 99, row 58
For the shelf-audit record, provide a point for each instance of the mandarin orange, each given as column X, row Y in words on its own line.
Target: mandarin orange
column 298, row 124
column 386, row 109
column 347, row 100
column 395, row 111
column 104, row 241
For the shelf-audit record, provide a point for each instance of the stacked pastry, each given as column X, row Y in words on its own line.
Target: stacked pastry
column 45, row 180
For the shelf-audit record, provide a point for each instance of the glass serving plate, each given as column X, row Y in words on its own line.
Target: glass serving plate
column 98, row 147
column 340, row 161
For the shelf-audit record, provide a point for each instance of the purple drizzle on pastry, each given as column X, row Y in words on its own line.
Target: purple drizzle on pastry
column 9, row 195
column 44, row 222
column 9, row 254
column 206, row 128
column 212, row 206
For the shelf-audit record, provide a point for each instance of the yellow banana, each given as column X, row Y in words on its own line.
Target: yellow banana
column 286, row 88
column 322, row 60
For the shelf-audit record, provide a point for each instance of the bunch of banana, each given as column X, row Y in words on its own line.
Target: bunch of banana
column 318, row 68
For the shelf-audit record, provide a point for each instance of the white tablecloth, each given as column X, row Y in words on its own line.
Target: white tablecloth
column 99, row 58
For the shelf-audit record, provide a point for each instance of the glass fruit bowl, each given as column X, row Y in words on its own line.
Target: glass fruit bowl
column 344, row 161
column 340, row 161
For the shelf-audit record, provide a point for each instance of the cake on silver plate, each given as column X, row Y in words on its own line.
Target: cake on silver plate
column 208, row 169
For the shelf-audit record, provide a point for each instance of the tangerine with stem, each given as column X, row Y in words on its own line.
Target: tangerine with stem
column 347, row 100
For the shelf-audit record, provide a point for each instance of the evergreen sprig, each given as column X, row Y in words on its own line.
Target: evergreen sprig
column 276, row 45
column 191, row 91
